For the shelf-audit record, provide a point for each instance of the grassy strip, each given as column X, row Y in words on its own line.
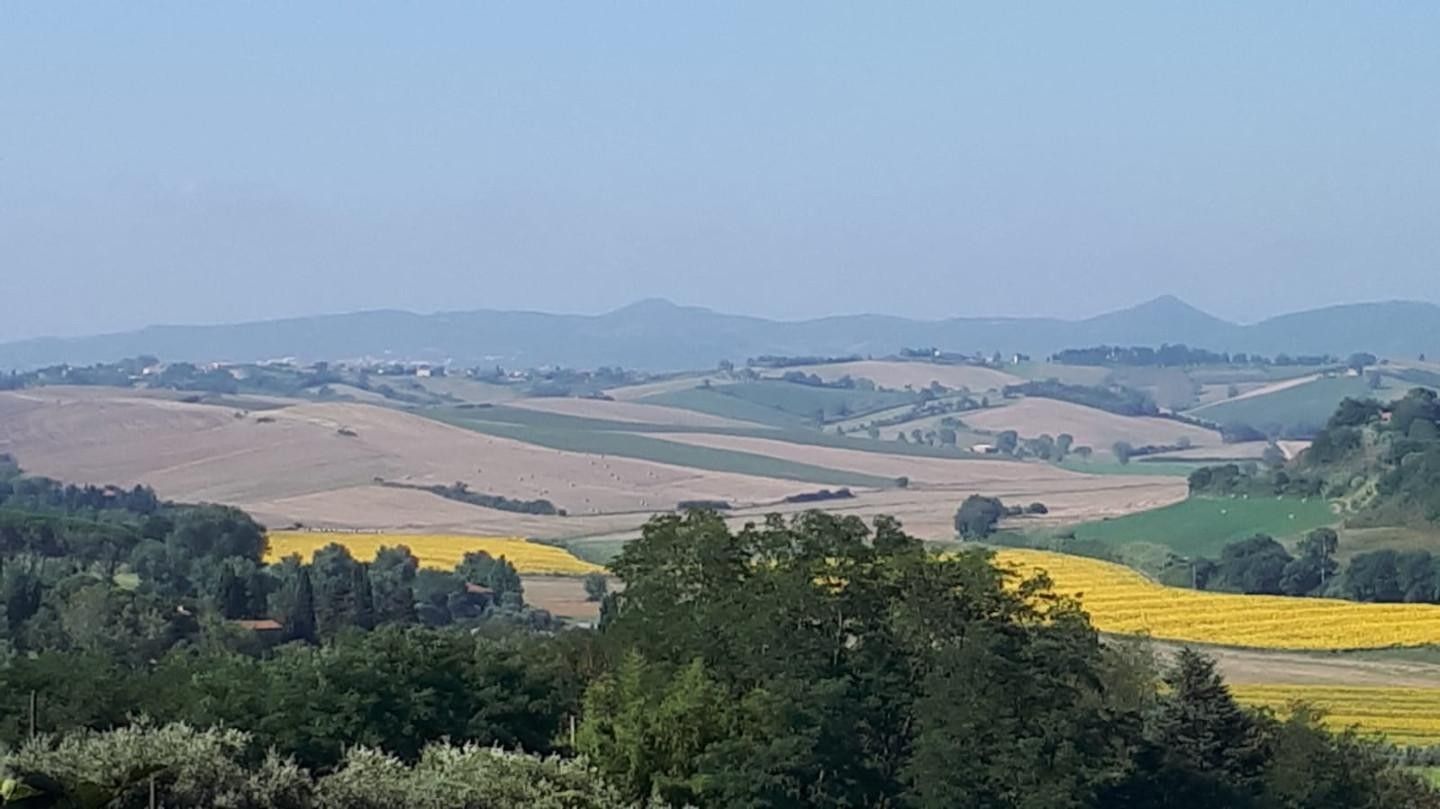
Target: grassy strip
column 640, row 447
column 801, row 435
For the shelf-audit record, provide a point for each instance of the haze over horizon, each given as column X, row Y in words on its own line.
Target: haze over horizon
column 1165, row 301
column 180, row 164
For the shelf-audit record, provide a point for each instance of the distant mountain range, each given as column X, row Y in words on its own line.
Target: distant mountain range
column 659, row 335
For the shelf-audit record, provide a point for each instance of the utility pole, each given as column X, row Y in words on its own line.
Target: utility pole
column 34, row 704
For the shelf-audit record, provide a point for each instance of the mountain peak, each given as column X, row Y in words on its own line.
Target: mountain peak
column 1167, row 303
column 1165, row 307
column 649, row 306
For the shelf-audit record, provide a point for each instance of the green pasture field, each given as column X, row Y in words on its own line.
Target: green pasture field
column 1201, row 526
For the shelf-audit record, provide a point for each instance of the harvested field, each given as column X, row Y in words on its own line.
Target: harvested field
column 562, row 596
column 197, row 452
column 897, row 374
column 1091, row 427
column 634, row 412
column 293, row 465
column 383, row 508
column 929, row 513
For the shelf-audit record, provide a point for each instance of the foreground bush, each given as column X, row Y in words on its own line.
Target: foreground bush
column 199, row 769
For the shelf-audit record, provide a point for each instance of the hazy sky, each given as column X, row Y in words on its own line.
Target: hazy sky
column 200, row 162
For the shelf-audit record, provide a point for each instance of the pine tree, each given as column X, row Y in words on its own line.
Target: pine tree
column 1205, row 729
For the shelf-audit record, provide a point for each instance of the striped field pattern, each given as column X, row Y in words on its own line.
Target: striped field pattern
column 1122, row 601
column 441, row 551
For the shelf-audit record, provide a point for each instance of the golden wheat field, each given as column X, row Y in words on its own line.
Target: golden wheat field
column 1123, row 601
column 1409, row 716
column 443, row 551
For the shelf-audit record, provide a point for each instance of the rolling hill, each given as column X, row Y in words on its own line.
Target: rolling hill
column 656, row 335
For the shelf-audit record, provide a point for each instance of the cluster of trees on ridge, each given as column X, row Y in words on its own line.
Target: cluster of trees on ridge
column 811, row 662
column 1112, row 399
column 1182, row 356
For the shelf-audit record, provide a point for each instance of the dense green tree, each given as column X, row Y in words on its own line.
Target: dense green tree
column 1006, row 442
column 977, row 516
column 1359, row 361
column 334, row 572
column 478, row 567
column 1064, row 442
column 392, row 578
column 1373, row 576
column 871, row 626
column 1355, row 413
column 1256, row 565
column 1024, row 712
column 597, row 585
column 217, row 531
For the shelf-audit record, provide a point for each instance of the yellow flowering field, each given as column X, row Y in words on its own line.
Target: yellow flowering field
column 1408, row 716
column 442, row 551
column 1122, row 601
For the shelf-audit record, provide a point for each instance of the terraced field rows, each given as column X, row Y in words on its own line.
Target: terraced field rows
column 1122, row 601
column 1407, row 716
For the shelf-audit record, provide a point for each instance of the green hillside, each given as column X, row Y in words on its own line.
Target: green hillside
column 1201, row 526
column 783, row 403
column 1299, row 410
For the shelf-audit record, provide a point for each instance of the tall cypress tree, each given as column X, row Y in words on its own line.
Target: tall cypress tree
column 364, row 616
column 231, row 596
column 300, row 623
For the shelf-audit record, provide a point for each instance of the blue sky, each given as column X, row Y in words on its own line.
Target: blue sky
column 194, row 162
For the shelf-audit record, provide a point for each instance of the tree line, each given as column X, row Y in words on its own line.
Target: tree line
column 1112, row 399
column 1260, row 565
column 1182, row 356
